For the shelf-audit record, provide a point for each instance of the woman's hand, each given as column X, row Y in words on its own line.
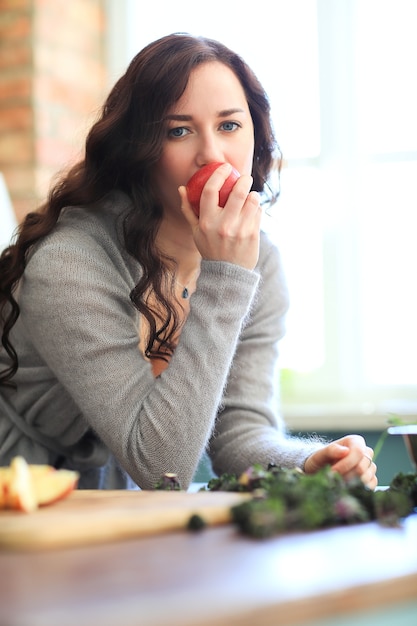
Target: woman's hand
column 231, row 233
column 350, row 456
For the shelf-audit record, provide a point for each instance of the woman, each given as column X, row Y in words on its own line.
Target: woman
column 108, row 367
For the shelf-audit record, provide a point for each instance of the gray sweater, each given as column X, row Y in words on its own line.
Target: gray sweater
column 87, row 399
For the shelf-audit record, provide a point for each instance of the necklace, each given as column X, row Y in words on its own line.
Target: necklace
column 185, row 294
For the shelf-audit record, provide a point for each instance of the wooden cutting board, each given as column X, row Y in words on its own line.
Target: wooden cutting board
column 88, row 517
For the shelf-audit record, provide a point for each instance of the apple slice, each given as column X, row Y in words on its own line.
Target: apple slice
column 40, row 470
column 49, row 487
column 198, row 180
column 4, row 485
column 20, row 494
column 25, row 487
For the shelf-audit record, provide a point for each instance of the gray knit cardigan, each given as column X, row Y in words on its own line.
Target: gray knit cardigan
column 86, row 398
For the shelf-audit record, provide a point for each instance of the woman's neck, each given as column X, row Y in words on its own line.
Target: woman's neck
column 176, row 242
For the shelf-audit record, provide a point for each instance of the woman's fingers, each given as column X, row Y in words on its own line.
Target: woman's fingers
column 231, row 233
column 350, row 457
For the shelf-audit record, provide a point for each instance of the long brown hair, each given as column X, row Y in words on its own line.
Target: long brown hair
column 121, row 148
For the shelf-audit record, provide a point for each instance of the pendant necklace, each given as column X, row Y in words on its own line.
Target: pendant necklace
column 185, row 294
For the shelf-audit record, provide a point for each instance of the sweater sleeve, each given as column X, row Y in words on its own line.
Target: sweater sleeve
column 75, row 305
column 249, row 427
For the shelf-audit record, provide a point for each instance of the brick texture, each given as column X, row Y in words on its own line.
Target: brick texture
column 52, row 83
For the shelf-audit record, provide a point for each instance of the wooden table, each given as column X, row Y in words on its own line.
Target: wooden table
column 216, row 577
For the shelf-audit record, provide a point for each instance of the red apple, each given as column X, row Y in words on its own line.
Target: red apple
column 198, row 180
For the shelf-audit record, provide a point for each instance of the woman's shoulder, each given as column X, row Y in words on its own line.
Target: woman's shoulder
column 269, row 254
column 86, row 237
column 87, row 228
column 104, row 219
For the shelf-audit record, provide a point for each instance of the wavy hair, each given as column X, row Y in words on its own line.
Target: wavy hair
column 120, row 151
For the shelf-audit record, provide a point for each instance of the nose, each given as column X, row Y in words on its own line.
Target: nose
column 209, row 150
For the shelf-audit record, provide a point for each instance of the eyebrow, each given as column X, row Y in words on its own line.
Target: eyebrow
column 187, row 118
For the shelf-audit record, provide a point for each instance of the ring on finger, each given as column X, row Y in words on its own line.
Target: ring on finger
column 369, row 459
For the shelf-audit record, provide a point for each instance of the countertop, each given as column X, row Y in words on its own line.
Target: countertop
column 215, row 577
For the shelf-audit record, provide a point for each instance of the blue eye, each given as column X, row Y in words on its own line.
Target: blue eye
column 229, row 126
column 179, row 131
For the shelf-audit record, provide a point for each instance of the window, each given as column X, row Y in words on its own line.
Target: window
column 362, row 193
column 342, row 80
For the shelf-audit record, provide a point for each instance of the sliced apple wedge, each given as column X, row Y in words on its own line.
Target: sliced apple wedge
column 40, row 470
column 26, row 487
column 4, row 485
column 20, row 494
column 52, row 486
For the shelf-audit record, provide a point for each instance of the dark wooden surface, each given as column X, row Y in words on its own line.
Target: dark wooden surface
column 212, row 578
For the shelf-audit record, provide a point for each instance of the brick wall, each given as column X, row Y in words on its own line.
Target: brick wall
column 52, row 82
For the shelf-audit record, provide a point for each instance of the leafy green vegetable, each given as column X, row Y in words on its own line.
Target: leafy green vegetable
column 196, row 522
column 168, row 482
column 289, row 499
column 407, row 484
column 390, row 506
column 226, row 482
